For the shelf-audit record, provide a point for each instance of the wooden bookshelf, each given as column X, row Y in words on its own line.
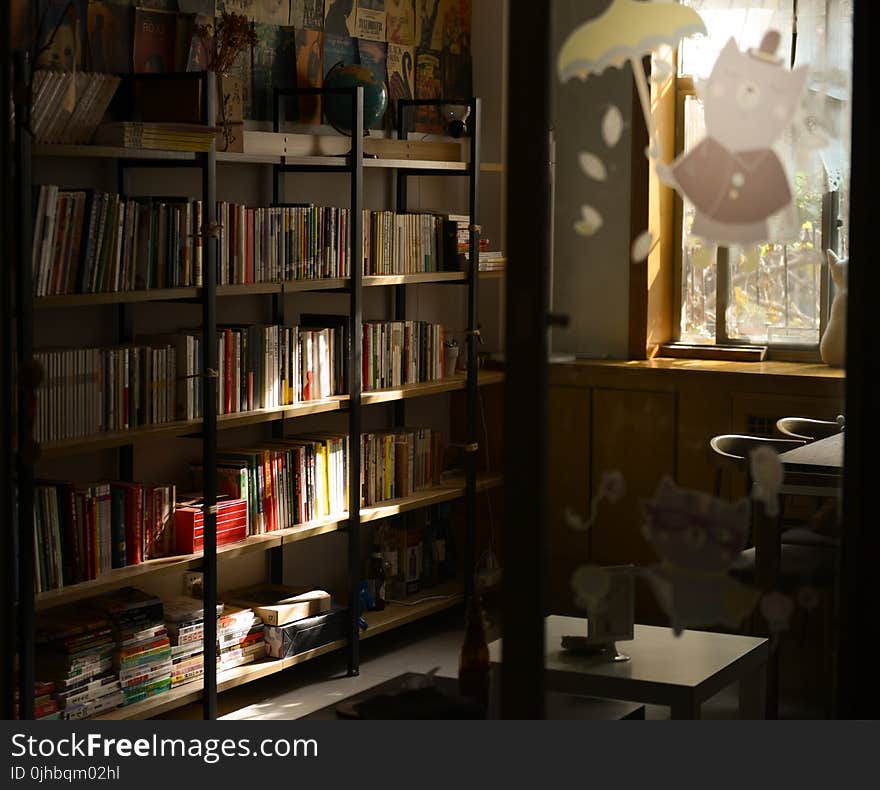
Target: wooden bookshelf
column 395, row 615
column 115, row 439
column 122, row 577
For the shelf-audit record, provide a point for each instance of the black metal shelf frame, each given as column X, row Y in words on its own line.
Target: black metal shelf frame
column 28, row 376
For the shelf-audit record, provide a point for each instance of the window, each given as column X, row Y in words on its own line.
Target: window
column 775, row 294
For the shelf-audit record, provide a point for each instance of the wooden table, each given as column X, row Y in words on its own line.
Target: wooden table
column 679, row 672
column 565, row 707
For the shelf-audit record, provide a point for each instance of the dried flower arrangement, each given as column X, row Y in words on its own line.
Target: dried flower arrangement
column 233, row 35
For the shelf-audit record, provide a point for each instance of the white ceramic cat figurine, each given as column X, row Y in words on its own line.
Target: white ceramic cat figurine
column 833, row 345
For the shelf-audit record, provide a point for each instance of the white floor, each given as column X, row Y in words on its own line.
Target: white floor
column 419, row 647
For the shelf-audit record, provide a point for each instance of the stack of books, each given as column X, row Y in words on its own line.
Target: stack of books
column 185, row 622
column 239, row 638
column 156, row 136
column 87, row 391
column 75, row 653
column 492, row 261
column 396, row 464
column 87, row 241
column 142, row 649
column 401, row 352
column 67, row 106
column 82, row 531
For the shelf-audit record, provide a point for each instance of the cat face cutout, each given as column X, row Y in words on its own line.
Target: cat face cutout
column 694, row 531
column 749, row 102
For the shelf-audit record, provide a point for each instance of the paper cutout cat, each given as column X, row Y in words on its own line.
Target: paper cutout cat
column 698, row 539
column 734, row 178
column 833, row 345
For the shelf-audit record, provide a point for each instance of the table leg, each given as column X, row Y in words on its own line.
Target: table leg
column 768, row 555
column 687, row 708
column 753, row 694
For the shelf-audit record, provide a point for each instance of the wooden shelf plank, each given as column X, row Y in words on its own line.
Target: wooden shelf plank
column 112, row 439
column 426, row 603
column 249, row 289
column 437, row 599
column 242, row 419
column 123, row 297
column 453, row 384
column 325, row 284
column 109, row 152
column 378, row 281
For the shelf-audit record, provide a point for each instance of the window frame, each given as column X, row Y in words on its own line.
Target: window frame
column 683, row 88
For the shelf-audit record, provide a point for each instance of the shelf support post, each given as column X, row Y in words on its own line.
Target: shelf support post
column 27, row 380
column 209, row 399
column 355, row 379
column 473, row 338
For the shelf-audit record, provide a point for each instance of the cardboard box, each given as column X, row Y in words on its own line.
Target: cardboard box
column 309, row 634
column 278, row 605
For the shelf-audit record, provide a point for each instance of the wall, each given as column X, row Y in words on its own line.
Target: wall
column 590, row 275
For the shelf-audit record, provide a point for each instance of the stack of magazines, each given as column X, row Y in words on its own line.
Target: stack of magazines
column 68, row 106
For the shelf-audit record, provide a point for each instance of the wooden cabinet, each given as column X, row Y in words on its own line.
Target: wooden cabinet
column 649, row 420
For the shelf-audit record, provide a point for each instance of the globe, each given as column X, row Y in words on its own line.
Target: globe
column 337, row 107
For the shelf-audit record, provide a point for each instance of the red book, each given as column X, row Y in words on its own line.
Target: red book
column 155, row 36
column 133, row 544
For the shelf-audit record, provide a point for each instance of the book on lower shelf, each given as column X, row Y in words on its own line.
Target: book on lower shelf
column 83, row 531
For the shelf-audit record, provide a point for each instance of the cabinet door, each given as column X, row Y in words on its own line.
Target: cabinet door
column 633, row 433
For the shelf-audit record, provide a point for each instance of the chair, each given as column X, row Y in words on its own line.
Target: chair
column 807, row 429
column 806, row 558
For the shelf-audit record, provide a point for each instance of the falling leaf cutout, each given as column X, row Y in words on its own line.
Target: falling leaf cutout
column 642, row 246
column 590, row 221
column 612, row 126
column 593, row 166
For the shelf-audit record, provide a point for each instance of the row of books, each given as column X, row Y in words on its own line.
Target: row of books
column 88, row 391
column 88, row 241
column 396, row 464
column 82, row 531
column 158, row 380
column 287, row 482
column 128, row 646
column 396, row 353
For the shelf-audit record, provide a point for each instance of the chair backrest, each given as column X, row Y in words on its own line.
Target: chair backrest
column 732, row 452
column 807, row 429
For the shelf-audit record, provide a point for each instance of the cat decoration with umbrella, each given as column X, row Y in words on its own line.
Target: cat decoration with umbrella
column 734, row 178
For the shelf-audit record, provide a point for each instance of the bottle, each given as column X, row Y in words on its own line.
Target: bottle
column 473, row 664
column 376, row 577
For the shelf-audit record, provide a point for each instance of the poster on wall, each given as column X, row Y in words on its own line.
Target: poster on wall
column 338, row 49
column 309, row 72
column 401, row 22
column 401, row 76
column 201, row 46
column 374, row 55
column 427, row 17
column 370, row 23
column 428, row 86
column 155, row 40
column 110, row 34
column 274, row 65
column 340, row 17
column 307, row 14
column 271, row 12
column 457, row 60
